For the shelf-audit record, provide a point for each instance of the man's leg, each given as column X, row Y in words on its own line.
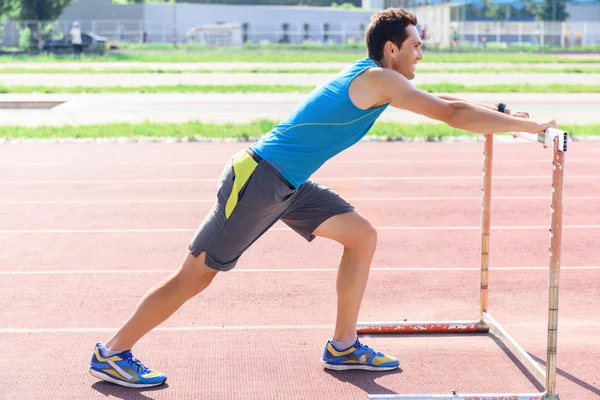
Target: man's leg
column 163, row 300
column 359, row 239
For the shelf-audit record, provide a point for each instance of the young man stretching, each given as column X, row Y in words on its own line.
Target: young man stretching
column 270, row 181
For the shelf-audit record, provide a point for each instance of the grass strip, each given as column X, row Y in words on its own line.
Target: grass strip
column 566, row 70
column 160, row 89
column 243, row 132
column 432, row 88
column 282, row 56
column 359, row 46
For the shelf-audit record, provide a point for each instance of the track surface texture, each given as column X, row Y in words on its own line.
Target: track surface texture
column 87, row 229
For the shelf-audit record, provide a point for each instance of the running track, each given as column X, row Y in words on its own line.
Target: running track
column 87, row 229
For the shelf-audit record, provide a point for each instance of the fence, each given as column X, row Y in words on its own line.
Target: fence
column 548, row 33
column 499, row 33
column 26, row 33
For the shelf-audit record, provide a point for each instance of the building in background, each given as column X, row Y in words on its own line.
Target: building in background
column 235, row 24
column 258, row 23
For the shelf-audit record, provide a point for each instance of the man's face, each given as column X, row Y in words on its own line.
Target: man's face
column 405, row 59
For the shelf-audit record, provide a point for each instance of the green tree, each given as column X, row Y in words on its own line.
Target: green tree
column 498, row 11
column 552, row 10
column 34, row 9
column 42, row 9
column 5, row 7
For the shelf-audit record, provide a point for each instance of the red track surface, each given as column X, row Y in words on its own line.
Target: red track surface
column 76, row 255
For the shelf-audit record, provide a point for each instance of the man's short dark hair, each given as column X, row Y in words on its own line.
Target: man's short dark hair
column 387, row 25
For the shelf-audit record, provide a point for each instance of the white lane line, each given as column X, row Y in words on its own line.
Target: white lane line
column 381, row 228
column 339, row 162
column 353, row 199
column 293, row 270
column 54, row 231
column 320, row 179
column 168, row 329
column 245, row 328
column 36, row 202
column 442, row 178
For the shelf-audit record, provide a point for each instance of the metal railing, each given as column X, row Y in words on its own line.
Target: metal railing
column 496, row 34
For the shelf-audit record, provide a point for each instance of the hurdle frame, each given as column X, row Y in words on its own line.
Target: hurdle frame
column 551, row 137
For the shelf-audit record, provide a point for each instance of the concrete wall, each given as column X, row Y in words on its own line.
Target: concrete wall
column 580, row 12
column 100, row 15
column 436, row 20
column 264, row 22
column 102, row 9
column 373, row 4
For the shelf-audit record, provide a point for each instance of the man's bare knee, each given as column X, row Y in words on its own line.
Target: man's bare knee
column 364, row 237
column 352, row 230
column 369, row 235
column 195, row 274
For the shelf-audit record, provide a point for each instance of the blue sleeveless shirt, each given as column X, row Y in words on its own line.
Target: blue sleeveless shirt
column 324, row 124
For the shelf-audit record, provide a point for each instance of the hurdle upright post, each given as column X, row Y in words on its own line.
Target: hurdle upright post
column 558, row 163
column 486, row 205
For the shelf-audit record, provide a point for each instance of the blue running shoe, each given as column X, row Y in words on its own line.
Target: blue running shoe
column 358, row 356
column 124, row 369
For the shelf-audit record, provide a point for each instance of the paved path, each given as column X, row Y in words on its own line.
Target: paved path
column 240, row 108
column 309, row 79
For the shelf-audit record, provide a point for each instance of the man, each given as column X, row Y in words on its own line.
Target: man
column 269, row 182
column 75, row 34
column 455, row 42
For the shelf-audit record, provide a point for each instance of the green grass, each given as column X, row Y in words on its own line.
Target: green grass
column 245, row 132
column 236, row 55
column 194, row 71
column 359, row 46
column 565, row 70
column 434, row 88
column 514, row 88
column 160, row 89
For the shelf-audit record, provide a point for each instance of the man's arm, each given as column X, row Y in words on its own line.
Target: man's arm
column 458, row 114
column 451, row 98
column 522, row 114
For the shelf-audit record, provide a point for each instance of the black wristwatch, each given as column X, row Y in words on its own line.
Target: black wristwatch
column 501, row 107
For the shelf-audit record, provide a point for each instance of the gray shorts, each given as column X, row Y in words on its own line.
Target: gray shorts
column 251, row 197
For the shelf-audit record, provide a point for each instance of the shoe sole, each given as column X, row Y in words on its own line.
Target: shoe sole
column 108, row 378
column 355, row 366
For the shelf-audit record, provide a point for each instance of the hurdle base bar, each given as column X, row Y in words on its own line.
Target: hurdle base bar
column 496, row 396
column 475, row 326
column 456, row 396
column 489, row 324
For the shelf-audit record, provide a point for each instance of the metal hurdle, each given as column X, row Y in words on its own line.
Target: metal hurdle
column 486, row 323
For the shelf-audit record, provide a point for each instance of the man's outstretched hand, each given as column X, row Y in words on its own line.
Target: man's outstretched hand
column 525, row 114
column 551, row 123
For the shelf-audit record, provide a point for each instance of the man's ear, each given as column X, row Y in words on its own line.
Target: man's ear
column 389, row 47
